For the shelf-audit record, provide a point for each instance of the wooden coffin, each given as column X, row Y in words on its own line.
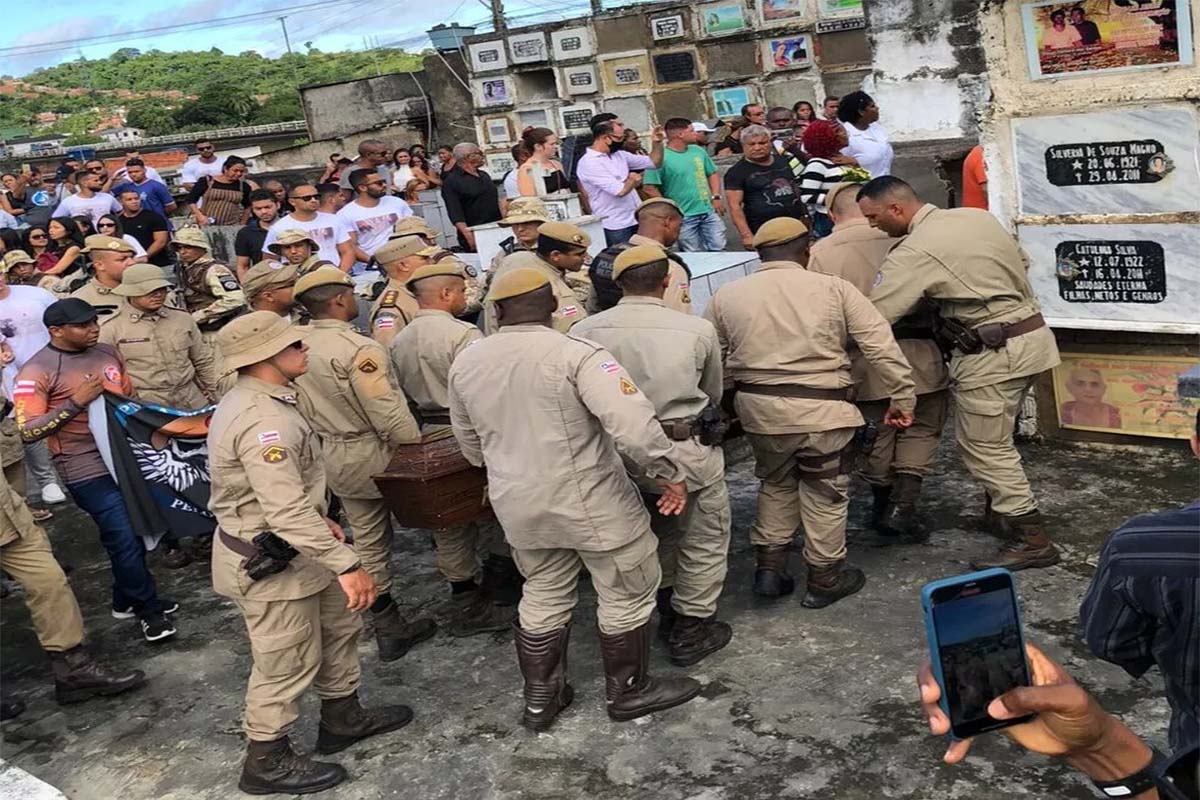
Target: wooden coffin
column 431, row 485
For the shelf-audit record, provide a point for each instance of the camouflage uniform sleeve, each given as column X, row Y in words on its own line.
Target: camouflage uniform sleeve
column 225, row 287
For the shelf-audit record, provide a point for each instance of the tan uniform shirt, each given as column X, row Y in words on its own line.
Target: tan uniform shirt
column 267, row 476
column 166, row 357
column 786, row 325
column 349, row 399
column 421, row 356
column 964, row 261
column 107, row 304
column 546, row 413
column 855, row 251
column 570, row 310
column 393, row 309
column 676, row 360
column 678, row 296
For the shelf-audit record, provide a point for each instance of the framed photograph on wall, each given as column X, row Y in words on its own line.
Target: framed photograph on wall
column 499, row 164
column 670, row 27
column 497, row 130
column 494, row 91
column 1065, row 40
column 575, row 118
column 487, row 56
column 790, row 51
column 777, row 12
column 722, row 19
column 728, row 102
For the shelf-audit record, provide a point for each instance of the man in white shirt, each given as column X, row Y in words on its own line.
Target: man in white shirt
column 205, row 163
column 330, row 233
column 122, row 173
column 89, row 201
column 371, row 215
column 611, row 176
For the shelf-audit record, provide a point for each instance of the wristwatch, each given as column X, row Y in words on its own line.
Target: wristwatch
column 1143, row 780
column 716, row 197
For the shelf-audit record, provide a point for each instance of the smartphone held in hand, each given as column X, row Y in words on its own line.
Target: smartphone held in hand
column 976, row 646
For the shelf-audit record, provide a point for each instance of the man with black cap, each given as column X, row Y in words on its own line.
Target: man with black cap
column 659, row 224
column 559, row 488
column 421, row 356
column 110, row 258
column 676, row 360
column 348, row 398
column 561, row 248
column 784, row 331
column 285, row 564
column 52, row 394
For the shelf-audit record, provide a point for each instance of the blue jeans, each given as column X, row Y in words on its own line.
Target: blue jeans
column 133, row 585
column 702, row 233
column 619, row 236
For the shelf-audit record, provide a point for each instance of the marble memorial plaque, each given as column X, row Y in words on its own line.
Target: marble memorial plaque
column 1116, row 277
column 487, row 56
column 1131, row 161
column 571, row 43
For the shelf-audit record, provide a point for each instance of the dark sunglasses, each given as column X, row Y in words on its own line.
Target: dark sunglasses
column 306, row 196
column 105, row 225
column 33, row 236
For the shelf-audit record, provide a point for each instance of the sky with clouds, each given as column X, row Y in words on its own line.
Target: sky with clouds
column 341, row 27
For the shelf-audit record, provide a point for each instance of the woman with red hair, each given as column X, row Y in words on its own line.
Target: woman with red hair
column 823, row 141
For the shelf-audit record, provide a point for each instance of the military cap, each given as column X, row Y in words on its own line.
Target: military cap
column 141, row 279
column 638, row 256
column 99, row 242
column 525, row 209
column 517, row 282
column 565, row 232
column 780, row 230
column 255, row 337
column 14, row 257
column 292, row 236
column 268, row 274
column 450, row 266
column 837, row 189
column 322, row 276
column 190, row 237
column 69, row 311
column 657, row 201
column 413, row 226
column 403, row 247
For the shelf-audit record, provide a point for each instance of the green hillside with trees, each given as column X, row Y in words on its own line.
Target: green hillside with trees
column 229, row 89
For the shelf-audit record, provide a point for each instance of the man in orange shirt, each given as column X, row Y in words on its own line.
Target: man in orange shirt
column 974, row 180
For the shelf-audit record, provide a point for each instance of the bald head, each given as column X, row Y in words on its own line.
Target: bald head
column 845, row 206
column 532, row 307
column 442, row 293
column 661, row 222
column 889, row 204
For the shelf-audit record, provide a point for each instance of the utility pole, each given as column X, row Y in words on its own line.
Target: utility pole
column 597, row 6
column 286, row 40
column 497, row 9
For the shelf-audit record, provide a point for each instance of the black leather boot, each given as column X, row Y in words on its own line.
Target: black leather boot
column 344, row 721
column 543, row 660
column 880, row 495
column 694, row 638
column 78, row 677
column 273, row 767
column 771, row 579
column 476, row 612
column 1027, row 547
column 666, row 613
column 395, row 636
column 501, row 579
column 899, row 523
column 830, row 583
column 628, row 687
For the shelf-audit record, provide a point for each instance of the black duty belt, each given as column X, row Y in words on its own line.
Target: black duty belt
column 911, row 332
column 239, row 546
column 678, row 430
column 435, row 419
column 793, row 390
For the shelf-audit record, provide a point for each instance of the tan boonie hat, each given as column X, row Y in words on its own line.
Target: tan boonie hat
column 322, row 276
column 517, row 282
column 268, row 274
column 255, row 337
column 14, row 257
column 780, row 230
column 837, row 189
column 566, row 233
column 141, row 279
column 525, row 209
column 657, row 201
column 450, row 267
column 413, row 226
column 638, row 256
column 98, row 241
column 403, row 247
column 292, row 236
column 190, row 237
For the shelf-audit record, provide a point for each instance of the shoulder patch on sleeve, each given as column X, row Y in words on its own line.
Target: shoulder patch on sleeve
column 385, row 323
column 274, row 454
column 627, row 386
column 389, row 297
column 611, row 367
column 368, row 365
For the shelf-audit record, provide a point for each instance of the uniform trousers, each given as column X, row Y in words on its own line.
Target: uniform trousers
column 910, row 451
column 626, row 580
column 984, row 419
column 693, row 548
column 799, row 486
column 371, row 522
column 458, row 548
column 312, row 641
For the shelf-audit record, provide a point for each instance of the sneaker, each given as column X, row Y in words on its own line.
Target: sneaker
column 53, row 494
column 169, row 607
column 157, row 627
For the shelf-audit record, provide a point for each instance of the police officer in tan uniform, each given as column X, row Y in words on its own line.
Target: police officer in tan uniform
column 561, row 248
column 784, row 332
column 351, row 403
column 297, row 248
column 110, row 258
column 166, row 357
column 211, row 292
column 675, row 359
column 971, row 269
column 395, row 307
column 415, row 226
column 268, row 286
column 482, row 595
column 523, row 217
column 659, row 222
column 900, row 457
column 301, row 601
column 559, row 489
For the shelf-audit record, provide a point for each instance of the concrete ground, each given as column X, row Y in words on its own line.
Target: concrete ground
column 802, row 704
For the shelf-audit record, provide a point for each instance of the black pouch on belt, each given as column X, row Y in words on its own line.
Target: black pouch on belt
column 992, row 335
column 271, row 556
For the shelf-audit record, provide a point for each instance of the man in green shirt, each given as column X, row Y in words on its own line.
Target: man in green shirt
column 689, row 177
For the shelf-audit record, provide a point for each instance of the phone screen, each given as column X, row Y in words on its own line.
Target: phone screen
column 979, row 648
